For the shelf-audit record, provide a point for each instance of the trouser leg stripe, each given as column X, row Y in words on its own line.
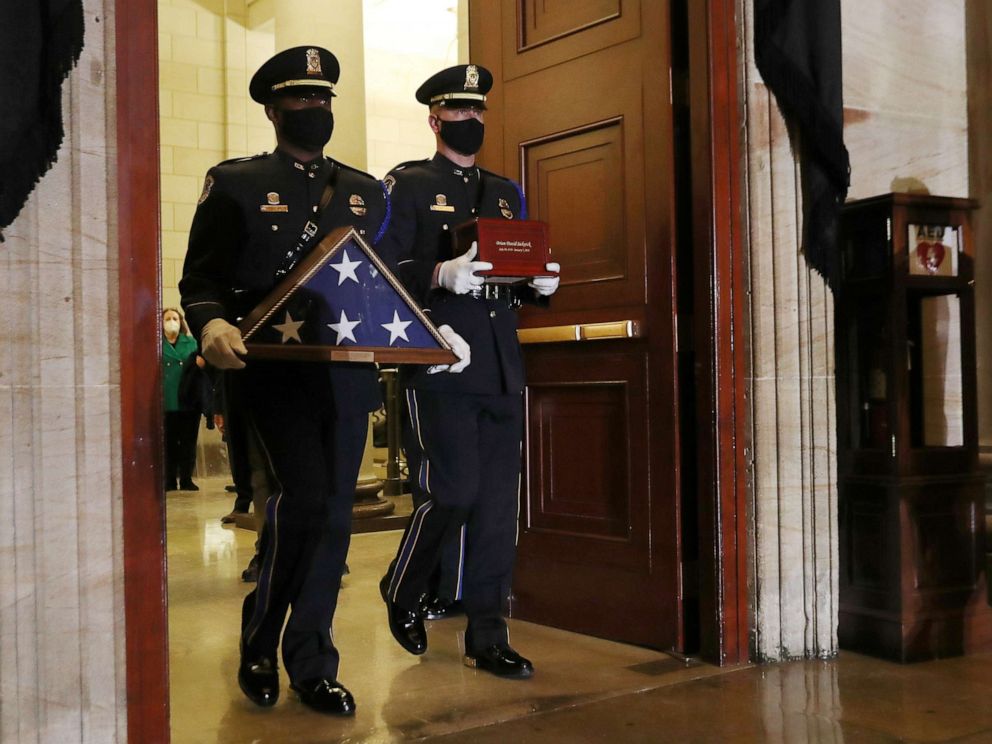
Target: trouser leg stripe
column 409, row 545
column 461, row 563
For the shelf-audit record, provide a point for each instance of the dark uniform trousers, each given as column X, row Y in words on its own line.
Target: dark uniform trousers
column 310, row 418
column 470, row 471
column 308, row 520
column 466, row 428
column 447, row 580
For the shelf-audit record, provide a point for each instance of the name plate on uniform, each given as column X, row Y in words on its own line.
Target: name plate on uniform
column 517, row 249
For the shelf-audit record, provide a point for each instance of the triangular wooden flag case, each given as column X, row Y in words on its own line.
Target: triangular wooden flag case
column 341, row 303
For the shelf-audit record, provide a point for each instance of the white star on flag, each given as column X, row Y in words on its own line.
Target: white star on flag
column 344, row 328
column 346, row 269
column 290, row 329
column 397, row 329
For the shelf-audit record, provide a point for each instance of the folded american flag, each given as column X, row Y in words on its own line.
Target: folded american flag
column 341, row 303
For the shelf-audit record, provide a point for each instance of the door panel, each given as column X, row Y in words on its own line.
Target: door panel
column 586, row 120
column 566, row 176
column 581, row 115
column 540, row 33
column 586, row 440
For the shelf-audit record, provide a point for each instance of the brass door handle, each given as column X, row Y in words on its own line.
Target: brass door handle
column 580, row 332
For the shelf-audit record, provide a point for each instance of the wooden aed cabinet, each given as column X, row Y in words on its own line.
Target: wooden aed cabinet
column 910, row 493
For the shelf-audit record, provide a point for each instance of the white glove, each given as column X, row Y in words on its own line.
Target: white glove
column 546, row 285
column 221, row 343
column 458, row 274
column 461, row 349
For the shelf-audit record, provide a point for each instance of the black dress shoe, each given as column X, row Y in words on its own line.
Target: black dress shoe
column 259, row 680
column 188, row 485
column 325, row 696
column 502, row 661
column 231, row 488
column 438, row 609
column 407, row 626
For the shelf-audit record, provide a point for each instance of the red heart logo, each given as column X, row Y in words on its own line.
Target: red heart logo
column 930, row 255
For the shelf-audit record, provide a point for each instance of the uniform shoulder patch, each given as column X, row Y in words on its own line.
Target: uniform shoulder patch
column 208, row 184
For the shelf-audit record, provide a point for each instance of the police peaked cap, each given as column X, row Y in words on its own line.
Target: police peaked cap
column 299, row 67
column 461, row 85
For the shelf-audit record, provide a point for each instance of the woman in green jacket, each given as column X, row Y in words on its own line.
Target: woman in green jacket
column 182, row 425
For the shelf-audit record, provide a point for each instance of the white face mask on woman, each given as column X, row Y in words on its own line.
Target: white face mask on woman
column 171, row 327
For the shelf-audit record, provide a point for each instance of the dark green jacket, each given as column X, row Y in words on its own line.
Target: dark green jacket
column 173, row 360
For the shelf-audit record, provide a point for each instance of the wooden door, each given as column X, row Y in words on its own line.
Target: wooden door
column 581, row 114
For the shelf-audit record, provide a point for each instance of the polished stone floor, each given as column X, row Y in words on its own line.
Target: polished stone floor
column 584, row 690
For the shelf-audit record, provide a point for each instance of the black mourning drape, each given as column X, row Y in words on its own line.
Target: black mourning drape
column 40, row 41
column 797, row 46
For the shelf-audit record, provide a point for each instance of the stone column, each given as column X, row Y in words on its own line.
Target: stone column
column 792, row 454
column 62, row 664
column 336, row 26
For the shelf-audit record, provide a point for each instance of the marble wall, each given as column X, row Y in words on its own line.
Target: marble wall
column 61, row 587
column 906, row 129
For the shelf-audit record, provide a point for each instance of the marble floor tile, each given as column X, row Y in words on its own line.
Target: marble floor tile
column 585, row 689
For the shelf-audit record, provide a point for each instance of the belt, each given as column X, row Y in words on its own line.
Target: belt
column 503, row 292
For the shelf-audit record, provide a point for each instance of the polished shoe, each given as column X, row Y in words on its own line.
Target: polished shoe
column 259, row 680
column 502, row 661
column 188, row 485
column 407, row 626
column 171, row 486
column 231, row 488
column 438, row 609
column 325, row 696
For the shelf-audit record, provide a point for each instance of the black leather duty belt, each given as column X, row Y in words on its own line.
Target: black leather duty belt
column 502, row 292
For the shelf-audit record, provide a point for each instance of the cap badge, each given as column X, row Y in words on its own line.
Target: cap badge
column 471, row 78
column 313, row 62
column 357, row 205
column 273, row 197
column 441, row 204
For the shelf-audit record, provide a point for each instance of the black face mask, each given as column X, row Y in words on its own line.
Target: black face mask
column 308, row 128
column 464, row 137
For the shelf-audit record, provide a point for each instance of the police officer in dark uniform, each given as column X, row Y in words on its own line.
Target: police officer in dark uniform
column 255, row 219
column 469, row 427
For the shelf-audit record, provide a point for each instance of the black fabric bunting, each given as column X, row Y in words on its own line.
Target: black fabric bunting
column 40, row 41
column 797, row 45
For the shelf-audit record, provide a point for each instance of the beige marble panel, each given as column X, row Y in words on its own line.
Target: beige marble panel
column 896, row 152
column 791, row 392
column 61, row 599
column 760, row 228
column 905, row 57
